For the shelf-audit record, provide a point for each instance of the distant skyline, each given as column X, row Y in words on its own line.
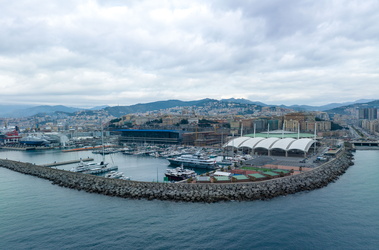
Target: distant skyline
column 88, row 53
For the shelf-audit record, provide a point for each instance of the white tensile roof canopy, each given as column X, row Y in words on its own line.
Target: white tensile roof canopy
column 252, row 142
column 236, row 142
column 302, row 144
column 285, row 144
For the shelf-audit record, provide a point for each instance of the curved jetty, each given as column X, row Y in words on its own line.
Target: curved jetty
column 193, row 192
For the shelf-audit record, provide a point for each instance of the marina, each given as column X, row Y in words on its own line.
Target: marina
column 315, row 179
column 165, row 161
column 140, row 168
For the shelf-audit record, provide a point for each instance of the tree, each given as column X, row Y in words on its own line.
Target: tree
column 335, row 126
column 115, row 120
column 184, row 121
column 226, row 125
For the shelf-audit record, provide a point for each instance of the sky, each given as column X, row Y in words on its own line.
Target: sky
column 86, row 53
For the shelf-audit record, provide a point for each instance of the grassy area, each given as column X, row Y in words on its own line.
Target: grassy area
column 257, row 169
column 265, row 169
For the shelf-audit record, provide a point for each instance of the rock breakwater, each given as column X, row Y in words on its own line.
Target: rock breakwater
column 314, row 179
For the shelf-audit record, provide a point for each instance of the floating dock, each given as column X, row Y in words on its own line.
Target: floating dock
column 66, row 162
column 86, row 148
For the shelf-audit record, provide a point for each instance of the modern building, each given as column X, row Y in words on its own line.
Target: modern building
column 149, row 136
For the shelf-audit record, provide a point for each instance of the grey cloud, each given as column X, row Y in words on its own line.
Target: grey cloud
column 114, row 52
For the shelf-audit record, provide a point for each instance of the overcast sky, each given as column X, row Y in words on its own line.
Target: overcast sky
column 90, row 53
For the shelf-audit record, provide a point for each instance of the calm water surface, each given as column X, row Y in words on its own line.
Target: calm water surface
column 37, row 215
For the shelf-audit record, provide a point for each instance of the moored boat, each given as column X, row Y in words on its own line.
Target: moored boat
column 81, row 167
column 99, row 168
column 105, row 151
column 93, row 168
column 117, row 175
column 193, row 161
column 179, row 173
column 33, row 140
column 226, row 162
column 96, row 167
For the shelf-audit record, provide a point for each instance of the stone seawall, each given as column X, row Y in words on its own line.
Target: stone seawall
column 317, row 178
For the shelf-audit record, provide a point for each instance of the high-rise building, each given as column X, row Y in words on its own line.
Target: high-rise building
column 372, row 113
column 368, row 113
column 363, row 113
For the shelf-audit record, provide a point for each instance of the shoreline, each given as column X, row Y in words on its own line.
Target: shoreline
column 191, row 192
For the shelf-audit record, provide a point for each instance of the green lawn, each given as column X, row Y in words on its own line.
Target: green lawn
column 257, row 169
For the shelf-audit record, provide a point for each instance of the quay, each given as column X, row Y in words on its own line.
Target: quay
column 18, row 148
column 65, row 162
column 24, row 148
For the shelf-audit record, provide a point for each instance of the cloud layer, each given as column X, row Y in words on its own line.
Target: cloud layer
column 86, row 53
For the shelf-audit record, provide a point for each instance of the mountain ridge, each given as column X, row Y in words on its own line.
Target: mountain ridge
column 16, row 111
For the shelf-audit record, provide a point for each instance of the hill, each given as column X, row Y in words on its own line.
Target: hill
column 16, row 111
column 118, row 111
column 6, row 110
column 342, row 110
column 44, row 109
column 327, row 106
column 245, row 101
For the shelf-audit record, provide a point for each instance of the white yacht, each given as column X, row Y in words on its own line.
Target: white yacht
column 193, row 161
column 95, row 167
column 179, row 173
column 117, row 175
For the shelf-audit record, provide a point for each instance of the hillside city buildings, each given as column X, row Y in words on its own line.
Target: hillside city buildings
column 206, row 125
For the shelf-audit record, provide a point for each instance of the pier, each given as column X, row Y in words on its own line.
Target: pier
column 66, row 162
column 366, row 145
column 24, row 148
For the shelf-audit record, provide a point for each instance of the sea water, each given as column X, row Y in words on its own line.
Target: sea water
column 34, row 214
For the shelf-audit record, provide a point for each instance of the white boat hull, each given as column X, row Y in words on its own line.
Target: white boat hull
column 190, row 164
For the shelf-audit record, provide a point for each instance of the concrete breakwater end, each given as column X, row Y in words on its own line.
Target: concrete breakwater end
column 314, row 179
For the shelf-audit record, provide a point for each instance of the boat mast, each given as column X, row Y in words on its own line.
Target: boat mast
column 102, row 141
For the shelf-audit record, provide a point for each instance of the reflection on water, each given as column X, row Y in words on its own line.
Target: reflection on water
column 139, row 168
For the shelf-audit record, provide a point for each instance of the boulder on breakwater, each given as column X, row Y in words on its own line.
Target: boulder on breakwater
column 193, row 192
